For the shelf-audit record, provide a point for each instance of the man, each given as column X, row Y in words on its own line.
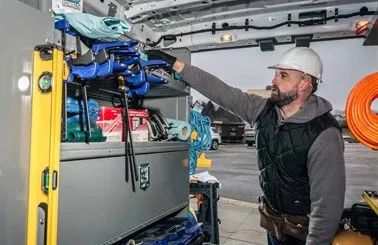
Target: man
column 299, row 146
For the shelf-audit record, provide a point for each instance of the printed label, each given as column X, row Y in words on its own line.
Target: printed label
column 67, row 6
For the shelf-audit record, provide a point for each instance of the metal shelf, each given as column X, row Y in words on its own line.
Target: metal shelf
column 75, row 151
column 106, row 89
column 173, row 88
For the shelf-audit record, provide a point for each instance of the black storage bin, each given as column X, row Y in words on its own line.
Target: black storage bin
column 364, row 219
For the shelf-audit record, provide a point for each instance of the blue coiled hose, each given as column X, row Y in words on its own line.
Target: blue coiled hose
column 202, row 125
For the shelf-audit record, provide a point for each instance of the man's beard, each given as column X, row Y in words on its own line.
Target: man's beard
column 281, row 99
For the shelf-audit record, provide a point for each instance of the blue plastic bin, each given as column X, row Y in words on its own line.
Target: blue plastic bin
column 173, row 231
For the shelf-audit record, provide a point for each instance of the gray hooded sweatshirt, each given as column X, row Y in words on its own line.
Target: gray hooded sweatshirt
column 325, row 160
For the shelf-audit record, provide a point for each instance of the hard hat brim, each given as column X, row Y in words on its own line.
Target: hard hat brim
column 286, row 67
column 283, row 67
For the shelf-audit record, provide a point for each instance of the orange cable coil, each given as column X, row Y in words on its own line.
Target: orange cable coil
column 361, row 120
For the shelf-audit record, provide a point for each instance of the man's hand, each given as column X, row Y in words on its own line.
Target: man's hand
column 172, row 61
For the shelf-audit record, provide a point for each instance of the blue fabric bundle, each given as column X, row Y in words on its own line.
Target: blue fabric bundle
column 95, row 27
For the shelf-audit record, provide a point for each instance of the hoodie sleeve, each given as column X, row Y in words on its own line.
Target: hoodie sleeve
column 246, row 106
column 326, row 171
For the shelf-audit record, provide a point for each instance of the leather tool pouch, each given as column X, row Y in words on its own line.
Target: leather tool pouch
column 280, row 224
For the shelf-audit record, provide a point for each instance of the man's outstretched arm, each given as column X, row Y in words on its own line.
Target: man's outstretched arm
column 246, row 106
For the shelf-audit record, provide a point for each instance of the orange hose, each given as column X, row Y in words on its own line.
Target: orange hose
column 361, row 120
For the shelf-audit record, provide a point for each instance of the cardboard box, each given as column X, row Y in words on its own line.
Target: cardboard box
column 111, row 121
column 139, row 127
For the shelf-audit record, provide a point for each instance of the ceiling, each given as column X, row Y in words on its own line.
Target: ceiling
column 201, row 24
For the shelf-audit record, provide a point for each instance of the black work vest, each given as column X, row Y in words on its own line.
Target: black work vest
column 282, row 159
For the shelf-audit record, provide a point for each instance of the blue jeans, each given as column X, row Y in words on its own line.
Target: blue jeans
column 272, row 240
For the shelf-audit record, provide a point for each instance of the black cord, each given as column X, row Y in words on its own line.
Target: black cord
column 117, row 101
column 362, row 12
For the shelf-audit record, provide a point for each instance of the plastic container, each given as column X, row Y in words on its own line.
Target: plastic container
column 173, row 231
column 73, row 110
column 75, row 133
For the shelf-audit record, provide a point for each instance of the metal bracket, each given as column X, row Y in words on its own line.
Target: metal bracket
column 144, row 170
column 42, row 224
column 112, row 9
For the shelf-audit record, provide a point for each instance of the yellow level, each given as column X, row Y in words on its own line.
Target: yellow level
column 45, row 145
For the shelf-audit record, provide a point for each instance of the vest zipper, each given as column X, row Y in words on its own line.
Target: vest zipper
column 275, row 165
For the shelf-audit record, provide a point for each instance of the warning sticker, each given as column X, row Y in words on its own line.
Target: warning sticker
column 67, row 6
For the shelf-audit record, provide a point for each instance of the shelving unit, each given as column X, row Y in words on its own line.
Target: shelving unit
column 94, row 197
column 106, row 89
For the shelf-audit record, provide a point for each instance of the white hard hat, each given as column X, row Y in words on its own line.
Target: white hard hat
column 301, row 59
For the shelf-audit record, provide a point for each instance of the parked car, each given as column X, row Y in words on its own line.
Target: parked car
column 249, row 137
column 216, row 139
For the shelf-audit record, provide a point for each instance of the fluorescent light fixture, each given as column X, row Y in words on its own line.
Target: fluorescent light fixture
column 361, row 23
column 226, row 38
column 362, row 27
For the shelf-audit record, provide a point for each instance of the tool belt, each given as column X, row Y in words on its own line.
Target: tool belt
column 280, row 224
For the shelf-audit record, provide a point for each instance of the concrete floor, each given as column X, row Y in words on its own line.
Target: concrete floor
column 240, row 223
column 235, row 167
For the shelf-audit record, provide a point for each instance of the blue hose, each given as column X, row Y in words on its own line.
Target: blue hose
column 202, row 125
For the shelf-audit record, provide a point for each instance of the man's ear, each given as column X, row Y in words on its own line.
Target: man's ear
column 305, row 83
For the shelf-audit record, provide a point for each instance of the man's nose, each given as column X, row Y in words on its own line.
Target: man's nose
column 274, row 80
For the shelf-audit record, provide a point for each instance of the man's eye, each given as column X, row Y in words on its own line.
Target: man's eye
column 283, row 75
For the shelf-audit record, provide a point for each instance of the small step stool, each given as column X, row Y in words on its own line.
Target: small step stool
column 207, row 213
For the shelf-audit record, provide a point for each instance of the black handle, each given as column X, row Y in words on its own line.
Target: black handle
column 86, row 110
column 125, row 128
column 133, row 156
column 129, row 145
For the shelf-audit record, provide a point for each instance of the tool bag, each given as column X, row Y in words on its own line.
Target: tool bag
column 280, row 224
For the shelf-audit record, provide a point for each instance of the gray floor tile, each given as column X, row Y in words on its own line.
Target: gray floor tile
column 231, row 241
column 227, row 206
column 222, row 240
column 230, row 220
column 250, row 230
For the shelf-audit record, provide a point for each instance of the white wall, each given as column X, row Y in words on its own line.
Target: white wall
column 345, row 63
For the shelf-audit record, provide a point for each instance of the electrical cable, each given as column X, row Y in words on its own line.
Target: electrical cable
column 361, row 120
column 201, row 124
column 362, row 12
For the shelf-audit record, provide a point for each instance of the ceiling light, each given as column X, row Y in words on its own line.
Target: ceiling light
column 226, row 38
column 362, row 26
column 362, row 23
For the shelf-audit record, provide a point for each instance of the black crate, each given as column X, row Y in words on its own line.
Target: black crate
column 364, row 219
